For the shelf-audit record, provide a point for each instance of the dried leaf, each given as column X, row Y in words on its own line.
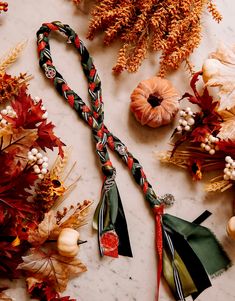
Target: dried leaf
column 47, row 138
column 10, row 258
column 44, row 291
column 227, row 130
column 53, row 223
column 51, row 267
column 4, row 297
column 219, row 71
column 20, row 139
column 39, row 236
column 28, row 114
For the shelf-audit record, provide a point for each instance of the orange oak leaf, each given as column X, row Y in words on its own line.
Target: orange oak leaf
column 51, row 267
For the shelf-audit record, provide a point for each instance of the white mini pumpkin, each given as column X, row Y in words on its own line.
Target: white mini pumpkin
column 67, row 243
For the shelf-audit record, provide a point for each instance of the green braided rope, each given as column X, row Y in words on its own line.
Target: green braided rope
column 94, row 117
column 173, row 235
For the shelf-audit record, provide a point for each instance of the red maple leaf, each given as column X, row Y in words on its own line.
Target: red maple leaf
column 10, row 258
column 47, row 138
column 28, row 113
column 207, row 121
column 227, row 146
column 14, row 198
column 204, row 100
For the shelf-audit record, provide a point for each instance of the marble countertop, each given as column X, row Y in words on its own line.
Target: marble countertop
column 123, row 279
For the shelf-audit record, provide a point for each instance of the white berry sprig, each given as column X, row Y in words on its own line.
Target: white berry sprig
column 186, row 121
column 40, row 162
column 210, row 144
column 8, row 111
column 229, row 171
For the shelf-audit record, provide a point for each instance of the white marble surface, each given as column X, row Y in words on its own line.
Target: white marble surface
column 123, row 279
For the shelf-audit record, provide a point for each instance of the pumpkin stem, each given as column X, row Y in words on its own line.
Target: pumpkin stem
column 154, row 100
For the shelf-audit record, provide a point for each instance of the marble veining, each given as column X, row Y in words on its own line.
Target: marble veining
column 124, row 279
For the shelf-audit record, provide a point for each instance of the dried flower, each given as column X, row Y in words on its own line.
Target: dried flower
column 11, row 56
column 173, row 27
column 11, row 86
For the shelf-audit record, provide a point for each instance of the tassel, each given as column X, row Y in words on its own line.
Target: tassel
column 202, row 241
column 187, row 253
column 110, row 222
column 158, row 211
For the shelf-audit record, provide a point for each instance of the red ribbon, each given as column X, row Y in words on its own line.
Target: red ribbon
column 158, row 211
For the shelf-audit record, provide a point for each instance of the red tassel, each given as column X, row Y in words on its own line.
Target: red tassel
column 158, row 211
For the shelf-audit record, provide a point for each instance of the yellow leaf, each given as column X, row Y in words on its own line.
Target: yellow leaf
column 227, row 130
column 39, row 236
column 51, row 267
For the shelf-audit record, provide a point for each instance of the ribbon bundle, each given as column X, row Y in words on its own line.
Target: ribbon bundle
column 186, row 251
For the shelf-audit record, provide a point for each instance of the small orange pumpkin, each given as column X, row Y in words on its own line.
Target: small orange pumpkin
column 154, row 102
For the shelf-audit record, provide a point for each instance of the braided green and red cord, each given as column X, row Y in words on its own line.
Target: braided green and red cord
column 109, row 218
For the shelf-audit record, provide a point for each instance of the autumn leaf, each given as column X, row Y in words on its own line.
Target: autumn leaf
column 53, row 223
column 17, row 139
column 227, row 146
column 39, row 236
column 193, row 82
column 47, row 138
column 14, row 199
column 28, row 114
column 4, row 297
column 51, row 267
column 10, row 258
column 227, row 130
column 204, row 100
column 44, row 291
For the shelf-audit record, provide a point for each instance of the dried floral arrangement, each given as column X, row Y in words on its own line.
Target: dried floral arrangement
column 36, row 240
column 205, row 139
column 172, row 27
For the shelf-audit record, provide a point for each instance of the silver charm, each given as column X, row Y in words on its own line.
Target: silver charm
column 50, row 72
column 167, row 199
column 121, row 150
